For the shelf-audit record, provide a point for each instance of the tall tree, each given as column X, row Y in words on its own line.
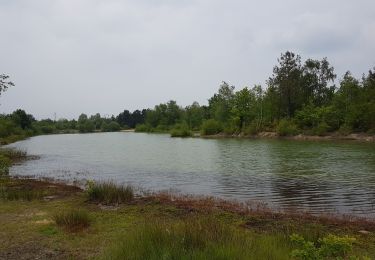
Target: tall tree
column 286, row 81
column 317, row 75
column 220, row 104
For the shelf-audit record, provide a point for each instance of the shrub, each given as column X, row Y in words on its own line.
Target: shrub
column 73, row 220
column 330, row 246
column 345, row 130
column 142, row 128
column 230, row 129
column 180, row 130
column 251, row 129
column 286, row 128
column 211, row 127
column 109, row 193
column 161, row 129
column 110, row 127
column 321, row 129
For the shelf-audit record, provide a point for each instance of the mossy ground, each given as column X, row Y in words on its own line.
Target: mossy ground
column 28, row 230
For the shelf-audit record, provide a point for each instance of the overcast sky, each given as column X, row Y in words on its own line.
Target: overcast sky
column 73, row 56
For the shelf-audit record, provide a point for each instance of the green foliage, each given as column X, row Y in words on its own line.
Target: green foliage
column 321, row 129
column 181, row 130
column 252, row 129
column 328, row 247
column 142, row 128
column 110, row 127
column 109, row 193
column 298, row 94
column 211, row 127
column 73, row 220
column 286, row 128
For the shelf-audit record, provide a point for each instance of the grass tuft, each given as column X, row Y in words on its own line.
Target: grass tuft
column 109, row 193
column 73, row 220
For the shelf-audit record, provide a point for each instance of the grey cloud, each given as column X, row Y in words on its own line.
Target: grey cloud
column 73, row 56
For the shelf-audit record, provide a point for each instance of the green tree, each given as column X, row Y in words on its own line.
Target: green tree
column 194, row 115
column 286, row 83
column 243, row 106
column 21, row 118
column 317, row 75
column 220, row 105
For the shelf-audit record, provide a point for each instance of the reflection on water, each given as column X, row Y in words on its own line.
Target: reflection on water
column 315, row 176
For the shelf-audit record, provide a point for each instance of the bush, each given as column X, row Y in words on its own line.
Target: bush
column 109, row 193
column 251, row 129
column 211, row 127
column 286, row 128
column 181, row 130
column 345, row 130
column 142, row 128
column 73, row 220
column 321, row 129
column 330, row 246
column 230, row 130
column 110, row 127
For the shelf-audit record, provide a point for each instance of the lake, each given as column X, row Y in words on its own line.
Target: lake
column 321, row 177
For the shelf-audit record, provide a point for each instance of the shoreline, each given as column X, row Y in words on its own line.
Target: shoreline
column 358, row 137
column 29, row 229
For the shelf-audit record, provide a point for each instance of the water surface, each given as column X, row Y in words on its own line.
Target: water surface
column 317, row 176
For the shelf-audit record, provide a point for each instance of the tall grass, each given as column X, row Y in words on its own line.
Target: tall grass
column 109, row 193
column 197, row 238
column 15, row 193
column 73, row 220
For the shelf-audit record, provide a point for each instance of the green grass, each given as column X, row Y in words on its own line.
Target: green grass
column 109, row 193
column 73, row 220
column 196, row 238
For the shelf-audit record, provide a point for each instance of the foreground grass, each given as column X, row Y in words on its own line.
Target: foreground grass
column 156, row 227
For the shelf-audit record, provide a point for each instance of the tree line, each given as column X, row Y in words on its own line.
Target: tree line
column 299, row 97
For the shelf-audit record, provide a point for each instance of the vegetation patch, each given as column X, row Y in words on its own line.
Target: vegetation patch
column 181, row 130
column 73, row 220
column 211, row 127
column 109, row 193
column 198, row 237
column 16, row 193
column 286, row 128
column 328, row 247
